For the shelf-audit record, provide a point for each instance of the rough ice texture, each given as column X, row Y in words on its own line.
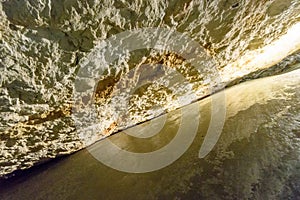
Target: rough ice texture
column 43, row 41
column 256, row 157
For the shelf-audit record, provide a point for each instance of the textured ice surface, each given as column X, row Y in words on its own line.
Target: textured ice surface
column 256, row 157
column 43, row 41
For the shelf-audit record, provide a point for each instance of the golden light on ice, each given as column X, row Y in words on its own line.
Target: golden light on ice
column 264, row 57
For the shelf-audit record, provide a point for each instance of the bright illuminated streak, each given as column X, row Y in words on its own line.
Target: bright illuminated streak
column 264, row 57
